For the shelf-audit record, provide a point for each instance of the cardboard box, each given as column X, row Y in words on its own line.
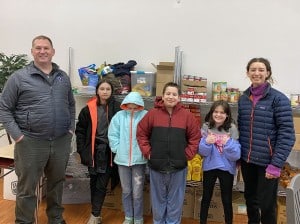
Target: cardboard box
column 164, row 77
column 164, row 74
column 76, row 191
column 215, row 212
column 143, row 82
column 10, row 183
column 238, row 203
column 198, row 83
column 165, row 65
column 199, row 86
column 194, row 89
column 297, row 124
column 297, row 142
column 159, row 88
column 189, row 203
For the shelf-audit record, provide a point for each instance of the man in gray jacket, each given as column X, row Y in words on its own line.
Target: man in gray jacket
column 37, row 108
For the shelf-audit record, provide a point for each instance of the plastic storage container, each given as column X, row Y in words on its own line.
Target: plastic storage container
column 143, row 82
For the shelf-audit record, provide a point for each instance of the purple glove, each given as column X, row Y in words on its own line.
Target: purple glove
column 273, row 170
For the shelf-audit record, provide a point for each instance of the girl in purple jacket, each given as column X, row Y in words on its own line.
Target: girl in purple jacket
column 220, row 150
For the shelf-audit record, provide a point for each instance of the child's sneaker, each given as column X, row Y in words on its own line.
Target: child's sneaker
column 128, row 220
column 94, row 220
column 140, row 221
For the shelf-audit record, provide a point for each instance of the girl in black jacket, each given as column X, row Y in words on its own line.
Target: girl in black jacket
column 93, row 147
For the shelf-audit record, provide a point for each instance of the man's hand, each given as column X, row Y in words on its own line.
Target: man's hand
column 19, row 139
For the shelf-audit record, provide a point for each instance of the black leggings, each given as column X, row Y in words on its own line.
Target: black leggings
column 98, row 186
column 226, row 184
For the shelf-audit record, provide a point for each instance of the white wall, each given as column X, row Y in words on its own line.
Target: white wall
column 218, row 37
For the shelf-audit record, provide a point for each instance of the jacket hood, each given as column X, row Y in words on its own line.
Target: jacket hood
column 158, row 102
column 133, row 97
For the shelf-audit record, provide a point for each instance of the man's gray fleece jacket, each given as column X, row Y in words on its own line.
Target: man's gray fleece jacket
column 38, row 107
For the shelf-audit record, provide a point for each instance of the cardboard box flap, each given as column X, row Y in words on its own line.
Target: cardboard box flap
column 165, row 66
column 168, row 63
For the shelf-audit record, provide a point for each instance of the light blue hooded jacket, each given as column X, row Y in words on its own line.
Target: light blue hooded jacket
column 122, row 132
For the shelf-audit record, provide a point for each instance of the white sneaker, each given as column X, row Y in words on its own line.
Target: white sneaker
column 94, row 220
column 128, row 221
column 140, row 221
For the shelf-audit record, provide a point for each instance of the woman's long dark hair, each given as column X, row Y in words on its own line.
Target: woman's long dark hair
column 209, row 116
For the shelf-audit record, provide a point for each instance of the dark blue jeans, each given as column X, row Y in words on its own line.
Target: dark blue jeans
column 260, row 194
column 226, row 184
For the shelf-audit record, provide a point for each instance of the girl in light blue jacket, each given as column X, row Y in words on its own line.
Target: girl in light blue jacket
column 220, row 149
column 130, row 161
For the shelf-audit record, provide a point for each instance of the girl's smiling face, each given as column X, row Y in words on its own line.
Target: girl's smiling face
column 219, row 116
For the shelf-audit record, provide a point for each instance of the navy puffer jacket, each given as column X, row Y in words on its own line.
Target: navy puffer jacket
column 266, row 130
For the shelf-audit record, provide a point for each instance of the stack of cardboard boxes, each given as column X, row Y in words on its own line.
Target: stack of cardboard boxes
column 194, row 89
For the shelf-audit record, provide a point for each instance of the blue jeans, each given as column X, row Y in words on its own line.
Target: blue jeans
column 132, row 181
column 167, row 196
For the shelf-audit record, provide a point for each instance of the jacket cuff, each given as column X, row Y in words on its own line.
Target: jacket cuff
column 273, row 170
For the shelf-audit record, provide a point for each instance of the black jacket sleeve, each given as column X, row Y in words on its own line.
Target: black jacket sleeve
column 83, row 136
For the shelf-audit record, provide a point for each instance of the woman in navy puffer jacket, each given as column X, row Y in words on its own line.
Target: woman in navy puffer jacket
column 266, row 136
